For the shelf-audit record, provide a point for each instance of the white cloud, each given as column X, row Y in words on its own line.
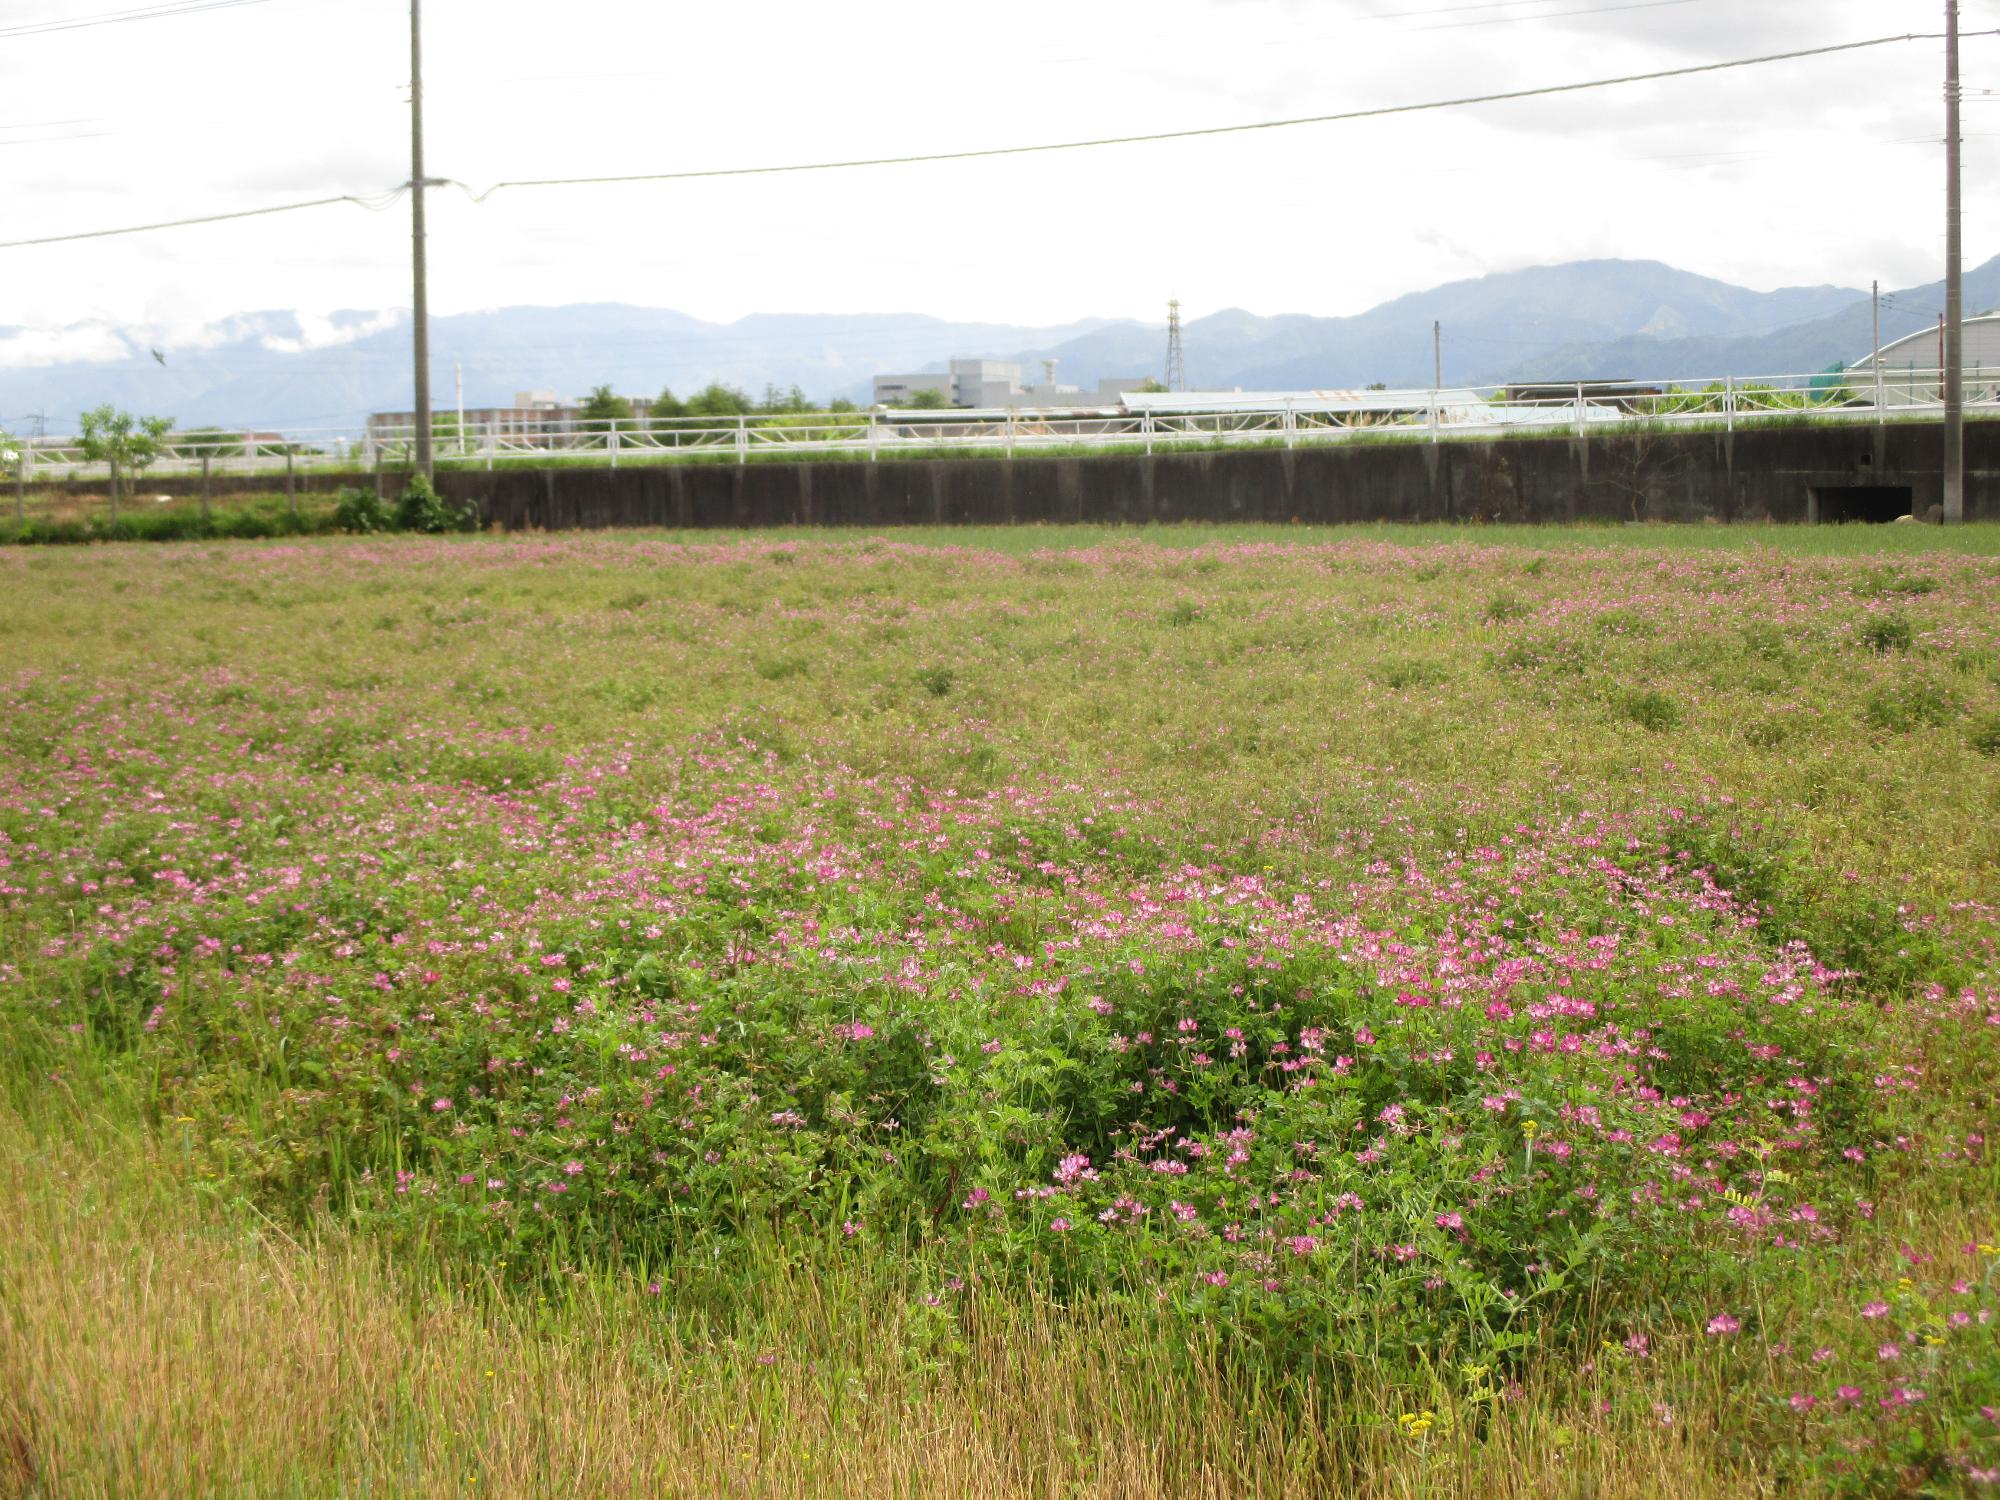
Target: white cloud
column 1789, row 174
column 89, row 343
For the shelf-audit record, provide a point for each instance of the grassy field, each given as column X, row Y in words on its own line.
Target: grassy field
column 1208, row 1011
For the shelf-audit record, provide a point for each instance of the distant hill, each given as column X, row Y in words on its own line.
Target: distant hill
column 1582, row 320
column 248, row 372
column 1843, row 335
column 1492, row 325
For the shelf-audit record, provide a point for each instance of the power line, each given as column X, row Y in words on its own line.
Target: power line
column 375, row 204
column 1210, row 130
column 119, row 17
column 998, row 151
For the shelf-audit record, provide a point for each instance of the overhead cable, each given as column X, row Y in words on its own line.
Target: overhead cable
column 119, row 17
column 999, row 151
column 374, row 204
column 1208, row 130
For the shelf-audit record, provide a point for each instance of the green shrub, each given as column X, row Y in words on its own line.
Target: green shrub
column 1880, row 583
column 423, row 509
column 360, row 511
column 937, row 681
column 1503, row 607
column 1985, row 734
column 1904, row 706
column 1885, row 633
column 1652, row 710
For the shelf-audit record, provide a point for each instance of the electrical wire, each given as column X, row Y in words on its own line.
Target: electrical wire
column 1209, row 130
column 1000, row 151
column 119, row 17
column 374, row 204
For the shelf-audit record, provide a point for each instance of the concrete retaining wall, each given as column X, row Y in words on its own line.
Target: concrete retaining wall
column 1768, row 474
column 1789, row 474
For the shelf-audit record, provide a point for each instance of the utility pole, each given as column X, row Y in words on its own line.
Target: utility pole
column 1875, row 292
column 1176, row 369
column 1954, row 287
column 420, row 297
column 1437, row 355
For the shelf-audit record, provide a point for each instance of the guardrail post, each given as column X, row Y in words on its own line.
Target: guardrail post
column 612, row 442
column 489, row 440
column 874, row 437
column 1010, row 432
column 25, row 463
column 1579, row 409
column 1434, row 416
column 250, row 454
column 1729, row 403
column 1146, row 426
column 291, row 484
column 204, row 486
column 743, row 440
column 1291, row 425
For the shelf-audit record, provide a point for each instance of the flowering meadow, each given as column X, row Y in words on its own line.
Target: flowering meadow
column 1510, row 1010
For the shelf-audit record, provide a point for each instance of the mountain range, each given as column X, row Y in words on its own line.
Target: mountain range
column 1597, row 319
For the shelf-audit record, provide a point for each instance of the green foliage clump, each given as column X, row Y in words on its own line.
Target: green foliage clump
column 1885, row 633
column 423, row 509
column 361, row 512
column 1904, row 706
column 1652, row 710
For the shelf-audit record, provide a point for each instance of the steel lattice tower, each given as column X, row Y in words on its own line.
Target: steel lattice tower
column 1176, row 368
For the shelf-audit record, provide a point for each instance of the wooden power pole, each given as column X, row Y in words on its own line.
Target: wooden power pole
column 1954, row 287
column 420, row 295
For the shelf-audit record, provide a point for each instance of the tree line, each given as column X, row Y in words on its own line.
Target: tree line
column 716, row 399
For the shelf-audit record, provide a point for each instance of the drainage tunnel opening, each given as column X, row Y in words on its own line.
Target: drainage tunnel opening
column 1862, row 502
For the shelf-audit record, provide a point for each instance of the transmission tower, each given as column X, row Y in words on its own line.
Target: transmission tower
column 1176, row 368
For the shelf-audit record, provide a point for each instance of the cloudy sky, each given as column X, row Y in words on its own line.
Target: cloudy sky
column 1824, row 170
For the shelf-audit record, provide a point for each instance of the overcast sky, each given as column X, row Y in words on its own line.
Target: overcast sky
column 1823, row 170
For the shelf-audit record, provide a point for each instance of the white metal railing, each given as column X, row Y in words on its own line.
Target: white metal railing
column 1147, row 423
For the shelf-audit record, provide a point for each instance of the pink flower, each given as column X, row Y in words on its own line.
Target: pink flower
column 1640, row 1346
column 1802, row 1402
column 1059, row 1226
column 1888, row 1352
column 976, row 1197
column 1848, row 1393
column 1875, row 1310
column 1450, row 1221
column 1722, row 1323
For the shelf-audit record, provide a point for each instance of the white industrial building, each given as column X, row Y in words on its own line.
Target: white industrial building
column 1910, row 364
column 995, row 384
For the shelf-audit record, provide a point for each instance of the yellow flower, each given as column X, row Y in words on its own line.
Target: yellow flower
column 1904, row 1282
column 1985, row 1249
column 1528, row 1128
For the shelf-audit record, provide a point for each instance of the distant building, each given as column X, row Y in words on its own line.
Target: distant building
column 995, row 384
column 1920, row 353
column 539, row 412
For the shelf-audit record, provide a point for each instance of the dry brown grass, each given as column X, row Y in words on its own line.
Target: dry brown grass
column 153, row 1346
